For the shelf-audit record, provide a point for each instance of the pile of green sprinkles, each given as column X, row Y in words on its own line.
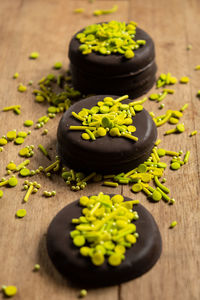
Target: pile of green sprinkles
column 105, row 228
column 108, row 116
column 112, row 37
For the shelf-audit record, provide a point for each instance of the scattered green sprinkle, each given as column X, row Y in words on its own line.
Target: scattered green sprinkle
column 79, row 10
column 193, row 133
column 22, row 88
column 3, row 142
column 19, row 140
column 28, row 123
column 83, row 293
column 1, row 193
column 175, row 165
column 11, row 135
column 36, row 267
column 184, row 79
column 10, row 290
column 24, row 172
column 57, row 65
column 173, row 224
column 21, row 213
column 34, row 55
column 16, row 75
column 105, row 12
column 12, row 182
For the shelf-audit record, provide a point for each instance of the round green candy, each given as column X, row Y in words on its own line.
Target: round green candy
column 34, row 55
column 19, row 140
column 24, row 152
column 85, row 136
column 129, row 54
column 153, row 96
column 85, row 251
column 11, row 166
column 101, row 131
column 57, row 65
column 12, row 181
column 11, row 135
column 21, row 213
column 24, row 172
column 175, row 166
column 156, row 196
column 22, row 134
column 1, row 193
column 131, row 128
column 28, row 123
column 173, row 120
column 161, row 152
column 10, row 290
column 3, row 142
column 39, row 98
column 142, row 168
column 138, row 107
column 115, row 259
column 137, row 187
column 104, row 109
column 52, row 109
column 97, row 258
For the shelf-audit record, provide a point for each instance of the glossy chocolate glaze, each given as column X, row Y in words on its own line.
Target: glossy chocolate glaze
column 105, row 154
column 66, row 257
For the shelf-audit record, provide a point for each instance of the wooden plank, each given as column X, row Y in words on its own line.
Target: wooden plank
column 176, row 274
column 46, row 27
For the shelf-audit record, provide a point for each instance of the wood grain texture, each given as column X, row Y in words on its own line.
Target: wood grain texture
column 46, row 26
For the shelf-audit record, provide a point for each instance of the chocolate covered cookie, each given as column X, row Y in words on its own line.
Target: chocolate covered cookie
column 107, row 250
column 123, row 139
column 112, row 58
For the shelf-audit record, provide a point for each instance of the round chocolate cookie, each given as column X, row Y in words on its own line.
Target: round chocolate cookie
column 66, row 257
column 114, row 74
column 106, row 154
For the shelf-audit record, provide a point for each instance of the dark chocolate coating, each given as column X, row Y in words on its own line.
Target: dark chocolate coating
column 66, row 257
column 106, row 154
column 114, row 74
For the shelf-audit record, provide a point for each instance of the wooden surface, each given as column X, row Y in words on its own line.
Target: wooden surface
column 46, row 26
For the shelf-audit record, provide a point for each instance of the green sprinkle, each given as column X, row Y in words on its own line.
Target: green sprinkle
column 186, row 158
column 10, row 290
column 79, row 10
column 52, row 109
column 24, row 172
column 21, row 213
column 22, row 88
column 110, row 183
column 22, row 134
column 19, row 140
column 28, row 123
column 175, row 166
column 16, row 75
column 142, row 168
column 153, row 96
column 24, row 152
column 111, row 37
column 83, row 293
column 57, row 65
column 11, row 166
column 138, row 107
column 184, row 79
column 105, row 12
column 39, row 98
column 1, row 193
column 193, row 133
column 137, row 187
column 115, row 259
column 3, row 142
column 43, row 150
column 197, row 68
column 34, row 55
column 36, row 267
column 11, row 135
column 129, row 54
column 173, row 224
column 179, row 129
column 12, row 182
column 156, row 196
column 173, row 120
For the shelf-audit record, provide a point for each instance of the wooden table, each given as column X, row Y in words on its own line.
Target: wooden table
column 46, row 26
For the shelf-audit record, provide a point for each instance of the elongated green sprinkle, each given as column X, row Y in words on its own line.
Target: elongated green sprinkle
column 79, row 10
column 105, row 12
column 1, row 193
column 110, row 183
column 193, row 133
column 101, row 231
column 43, row 150
column 111, row 37
column 34, row 55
